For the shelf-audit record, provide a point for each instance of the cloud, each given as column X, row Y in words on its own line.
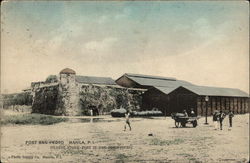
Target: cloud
column 203, row 28
column 124, row 14
column 103, row 19
column 103, row 45
column 146, row 39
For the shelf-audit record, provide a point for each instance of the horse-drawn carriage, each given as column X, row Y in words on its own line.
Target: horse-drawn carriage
column 181, row 120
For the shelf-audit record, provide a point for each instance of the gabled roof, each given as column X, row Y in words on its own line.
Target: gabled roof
column 157, row 81
column 216, row 91
column 95, row 80
column 166, row 90
column 149, row 76
column 207, row 91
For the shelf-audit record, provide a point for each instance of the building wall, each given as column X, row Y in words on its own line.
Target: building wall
column 154, row 99
column 182, row 98
column 177, row 101
column 239, row 105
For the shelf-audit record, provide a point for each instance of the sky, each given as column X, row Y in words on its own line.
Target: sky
column 205, row 43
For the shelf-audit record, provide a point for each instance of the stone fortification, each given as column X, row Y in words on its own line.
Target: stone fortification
column 45, row 99
column 106, row 98
column 66, row 96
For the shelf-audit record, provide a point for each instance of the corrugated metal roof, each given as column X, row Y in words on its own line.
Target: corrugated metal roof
column 95, row 80
column 167, row 85
column 150, row 76
column 207, row 91
column 216, row 91
column 156, row 81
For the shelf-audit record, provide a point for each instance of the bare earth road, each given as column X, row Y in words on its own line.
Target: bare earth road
column 76, row 141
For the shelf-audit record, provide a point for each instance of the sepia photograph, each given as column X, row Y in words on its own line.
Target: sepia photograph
column 124, row 81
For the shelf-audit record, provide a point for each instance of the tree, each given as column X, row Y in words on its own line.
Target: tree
column 51, row 79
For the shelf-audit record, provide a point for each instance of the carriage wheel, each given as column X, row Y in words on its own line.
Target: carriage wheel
column 195, row 123
column 177, row 124
column 183, row 124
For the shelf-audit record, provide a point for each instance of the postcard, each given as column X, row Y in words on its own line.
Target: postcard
column 124, row 81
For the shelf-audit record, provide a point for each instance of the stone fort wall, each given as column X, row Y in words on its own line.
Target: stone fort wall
column 70, row 98
column 106, row 98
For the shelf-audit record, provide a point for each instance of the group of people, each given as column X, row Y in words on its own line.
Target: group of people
column 218, row 118
column 192, row 114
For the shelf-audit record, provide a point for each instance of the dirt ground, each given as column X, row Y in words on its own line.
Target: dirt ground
column 105, row 141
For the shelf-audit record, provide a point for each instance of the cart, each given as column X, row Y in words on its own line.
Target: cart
column 181, row 120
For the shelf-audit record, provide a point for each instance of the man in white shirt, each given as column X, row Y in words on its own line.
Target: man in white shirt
column 127, row 122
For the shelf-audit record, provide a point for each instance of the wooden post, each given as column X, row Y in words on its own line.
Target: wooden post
column 201, row 107
column 206, row 100
column 241, row 106
column 216, row 105
column 235, row 105
column 220, row 103
column 212, row 106
column 246, row 109
column 229, row 103
column 238, row 108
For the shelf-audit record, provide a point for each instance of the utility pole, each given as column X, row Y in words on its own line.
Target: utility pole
column 206, row 99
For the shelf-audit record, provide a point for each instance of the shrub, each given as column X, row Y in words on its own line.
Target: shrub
column 51, row 79
column 24, row 98
column 33, row 119
column 147, row 113
column 118, row 112
column 121, row 113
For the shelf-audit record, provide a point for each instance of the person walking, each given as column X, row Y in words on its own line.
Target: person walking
column 230, row 116
column 91, row 112
column 221, row 118
column 127, row 122
column 215, row 119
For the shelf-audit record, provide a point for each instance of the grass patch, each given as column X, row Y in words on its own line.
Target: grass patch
column 201, row 141
column 185, row 155
column 190, row 157
column 160, row 142
column 33, row 119
column 202, row 138
column 120, row 158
